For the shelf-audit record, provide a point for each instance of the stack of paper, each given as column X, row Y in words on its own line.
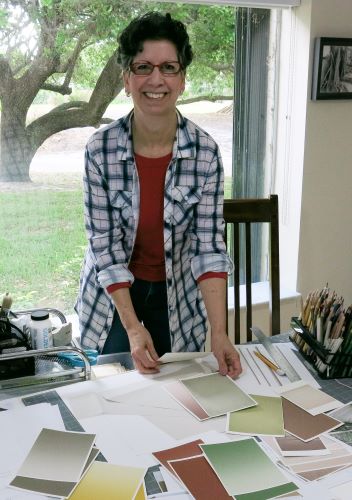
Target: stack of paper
column 61, row 463
column 56, row 462
column 225, row 470
column 307, row 450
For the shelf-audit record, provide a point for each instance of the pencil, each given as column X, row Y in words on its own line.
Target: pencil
column 269, row 363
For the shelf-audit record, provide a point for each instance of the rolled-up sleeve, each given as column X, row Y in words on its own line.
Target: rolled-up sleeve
column 105, row 235
column 208, row 242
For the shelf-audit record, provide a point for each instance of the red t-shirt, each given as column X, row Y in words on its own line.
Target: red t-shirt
column 148, row 260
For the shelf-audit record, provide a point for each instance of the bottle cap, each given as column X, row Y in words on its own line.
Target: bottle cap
column 39, row 315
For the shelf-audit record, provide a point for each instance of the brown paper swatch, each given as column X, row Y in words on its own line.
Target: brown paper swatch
column 303, row 425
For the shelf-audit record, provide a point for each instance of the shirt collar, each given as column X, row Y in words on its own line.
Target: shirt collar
column 184, row 146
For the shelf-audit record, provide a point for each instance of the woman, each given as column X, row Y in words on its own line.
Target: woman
column 156, row 266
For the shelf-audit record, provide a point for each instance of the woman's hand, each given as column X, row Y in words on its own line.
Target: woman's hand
column 226, row 355
column 214, row 295
column 143, row 353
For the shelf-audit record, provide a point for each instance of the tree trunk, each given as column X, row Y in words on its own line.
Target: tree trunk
column 19, row 143
column 16, row 151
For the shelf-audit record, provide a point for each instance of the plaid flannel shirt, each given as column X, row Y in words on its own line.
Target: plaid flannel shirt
column 193, row 228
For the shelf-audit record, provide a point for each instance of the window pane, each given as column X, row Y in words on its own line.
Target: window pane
column 42, row 238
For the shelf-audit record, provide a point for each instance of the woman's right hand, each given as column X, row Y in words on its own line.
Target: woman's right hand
column 143, row 353
column 142, row 349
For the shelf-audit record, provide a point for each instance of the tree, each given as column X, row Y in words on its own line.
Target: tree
column 46, row 45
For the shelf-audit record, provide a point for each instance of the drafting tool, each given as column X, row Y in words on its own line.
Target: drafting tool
column 52, row 397
column 269, row 363
column 279, row 359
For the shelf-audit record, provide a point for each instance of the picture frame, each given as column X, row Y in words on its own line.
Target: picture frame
column 332, row 69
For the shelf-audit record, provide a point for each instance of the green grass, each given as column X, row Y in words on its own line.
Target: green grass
column 42, row 242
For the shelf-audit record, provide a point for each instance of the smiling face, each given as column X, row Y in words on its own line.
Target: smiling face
column 155, row 94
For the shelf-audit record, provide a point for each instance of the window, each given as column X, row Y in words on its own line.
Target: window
column 42, row 236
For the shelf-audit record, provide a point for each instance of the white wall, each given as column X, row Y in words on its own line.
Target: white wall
column 325, row 250
column 316, row 168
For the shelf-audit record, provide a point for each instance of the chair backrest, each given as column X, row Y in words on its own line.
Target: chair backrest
column 245, row 212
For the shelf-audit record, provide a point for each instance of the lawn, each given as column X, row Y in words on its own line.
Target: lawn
column 42, row 242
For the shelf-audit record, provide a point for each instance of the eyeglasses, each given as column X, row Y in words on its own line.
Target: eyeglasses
column 145, row 68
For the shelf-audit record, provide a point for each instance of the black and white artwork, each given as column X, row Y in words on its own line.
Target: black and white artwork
column 332, row 70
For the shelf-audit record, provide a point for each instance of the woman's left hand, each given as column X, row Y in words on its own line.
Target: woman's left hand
column 226, row 355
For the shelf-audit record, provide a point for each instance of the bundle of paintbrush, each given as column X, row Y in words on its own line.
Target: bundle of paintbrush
column 326, row 330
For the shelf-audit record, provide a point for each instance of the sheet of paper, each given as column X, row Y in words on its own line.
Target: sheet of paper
column 264, row 419
column 237, row 463
column 43, row 462
column 182, row 369
column 127, row 439
column 46, row 471
column 217, row 394
column 185, row 426
column 174, row 357
column 149, row 401
column 199, row 478
column 256, row 375
column 141, row 494
column 317, row 474
column 344, row 414
column 177, row 422
column 303, row 425
column 310, row 399
column 190, row 449
column 342, row 491
column 52, row 487
column 19, row 428
column 341, row 477
column 323, row 463
column 312, row 467
column 106, row 481
column 290, row 446
column 334, row 446
column 182, row 395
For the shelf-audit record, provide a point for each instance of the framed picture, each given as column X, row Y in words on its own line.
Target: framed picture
column 332, row 69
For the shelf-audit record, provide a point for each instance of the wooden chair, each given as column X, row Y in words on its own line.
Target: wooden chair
column 245, row 212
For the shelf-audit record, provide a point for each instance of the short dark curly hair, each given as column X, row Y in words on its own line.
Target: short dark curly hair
column 153, row 26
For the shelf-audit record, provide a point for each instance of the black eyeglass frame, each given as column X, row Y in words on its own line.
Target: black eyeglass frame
column 152, row 66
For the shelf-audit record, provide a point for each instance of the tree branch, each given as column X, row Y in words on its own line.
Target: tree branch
column 6, row 76
column 108, row 86
column 80, row 113
column 59, row 89
column 211, row 98
column 69, row 66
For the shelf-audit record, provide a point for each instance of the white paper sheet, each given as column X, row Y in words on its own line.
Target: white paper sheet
column 310, row 399
column 257, row 376
column 19, row 429
column 127, row 439
column 172, row 357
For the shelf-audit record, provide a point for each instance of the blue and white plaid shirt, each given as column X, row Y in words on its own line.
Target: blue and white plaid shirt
column 193, row 228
